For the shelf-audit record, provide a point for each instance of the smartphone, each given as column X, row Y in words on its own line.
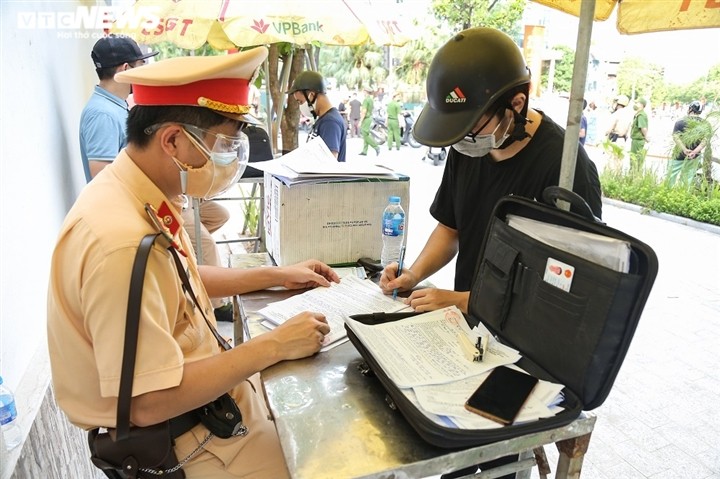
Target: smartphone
column 501, row 396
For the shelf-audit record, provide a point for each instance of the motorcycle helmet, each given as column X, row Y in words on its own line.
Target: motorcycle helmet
column 308, row 80
column 622, row 100
column 466, row 77
column 695, row 107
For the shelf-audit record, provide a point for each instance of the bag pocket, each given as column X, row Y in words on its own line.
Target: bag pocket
column 579, row 334
column 491, row 295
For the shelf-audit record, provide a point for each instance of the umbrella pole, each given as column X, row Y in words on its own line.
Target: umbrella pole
column 577, row 91
column 268, row 103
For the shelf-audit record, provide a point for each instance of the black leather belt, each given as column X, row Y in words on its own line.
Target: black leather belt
column 181, row 424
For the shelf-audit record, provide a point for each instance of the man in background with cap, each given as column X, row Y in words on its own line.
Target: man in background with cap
column 638, row 135
column 366, row 112
column 102, row 122
column 478, row 87
column 620, row 120
column 184, row 138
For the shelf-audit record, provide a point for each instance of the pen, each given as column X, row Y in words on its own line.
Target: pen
column 400, row 267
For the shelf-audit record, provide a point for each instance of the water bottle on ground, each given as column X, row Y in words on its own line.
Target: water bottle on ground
column 393, row 231
column 12, row 435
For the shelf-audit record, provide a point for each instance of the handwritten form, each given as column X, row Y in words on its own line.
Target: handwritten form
column 337, row 302
column 422, row 355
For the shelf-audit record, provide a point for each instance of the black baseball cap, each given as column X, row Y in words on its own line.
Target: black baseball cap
column 112, row 50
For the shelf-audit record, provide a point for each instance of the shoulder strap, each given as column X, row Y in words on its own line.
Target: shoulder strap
column 132, row 321
column 188, row 288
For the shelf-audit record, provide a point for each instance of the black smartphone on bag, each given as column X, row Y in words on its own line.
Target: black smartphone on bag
column 501, row 396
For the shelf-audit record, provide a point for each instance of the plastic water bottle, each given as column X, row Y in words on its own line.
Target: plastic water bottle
column 393, row 231
column 12, row 435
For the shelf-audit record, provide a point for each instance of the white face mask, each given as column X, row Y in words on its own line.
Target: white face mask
column 481, row 145
column 306, row 110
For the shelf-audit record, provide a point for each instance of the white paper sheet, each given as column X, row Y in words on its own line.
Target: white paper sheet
column 337, row 302
column 425, row 349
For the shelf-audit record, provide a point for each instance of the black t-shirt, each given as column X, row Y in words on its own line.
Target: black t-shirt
column 692, row 122
column 471, row 187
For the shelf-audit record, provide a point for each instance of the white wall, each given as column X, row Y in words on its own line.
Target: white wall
column 46, row 76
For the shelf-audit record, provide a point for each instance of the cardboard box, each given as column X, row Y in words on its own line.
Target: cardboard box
column 335, row 222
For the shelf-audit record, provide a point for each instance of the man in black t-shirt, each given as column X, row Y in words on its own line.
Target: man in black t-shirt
column 500, row 146
column 689, row 134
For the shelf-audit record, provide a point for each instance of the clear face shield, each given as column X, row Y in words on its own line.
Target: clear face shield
column 227, row 160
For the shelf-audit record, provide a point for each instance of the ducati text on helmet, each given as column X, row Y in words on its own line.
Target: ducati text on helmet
column 467, row 75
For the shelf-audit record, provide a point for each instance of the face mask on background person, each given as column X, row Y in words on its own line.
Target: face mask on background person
column 481, row 145
column 306, row 110
column 226, row 163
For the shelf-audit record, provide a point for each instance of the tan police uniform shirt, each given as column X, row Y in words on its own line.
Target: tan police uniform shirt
column 87, row 304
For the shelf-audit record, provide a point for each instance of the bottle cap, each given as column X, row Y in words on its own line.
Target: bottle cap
column 394, row 199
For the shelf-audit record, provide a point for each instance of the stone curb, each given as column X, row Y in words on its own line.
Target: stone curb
column 675, row 219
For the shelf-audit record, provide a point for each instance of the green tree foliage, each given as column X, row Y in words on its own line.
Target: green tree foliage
column 504, row 15
column 638, row 78
column 354, row 66
column 563, row 70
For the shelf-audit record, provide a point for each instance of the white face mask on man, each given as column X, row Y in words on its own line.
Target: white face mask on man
column 306, row 110
column 480, row 145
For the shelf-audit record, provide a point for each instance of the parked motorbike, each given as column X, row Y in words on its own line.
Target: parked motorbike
column 435, row 155
column 406, row 137
column 378, row 129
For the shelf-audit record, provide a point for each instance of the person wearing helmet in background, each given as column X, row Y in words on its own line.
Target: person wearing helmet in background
column 690, row 135
column 477, row 88
column 620, row 120
column 311, row 93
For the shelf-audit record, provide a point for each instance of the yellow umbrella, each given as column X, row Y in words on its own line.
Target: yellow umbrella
column 227, row 24
column 644, row 16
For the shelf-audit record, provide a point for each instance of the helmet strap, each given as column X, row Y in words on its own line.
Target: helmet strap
column 311, row 104
column 518, row 132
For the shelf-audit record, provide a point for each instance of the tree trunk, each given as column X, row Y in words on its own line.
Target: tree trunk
column 284, row 107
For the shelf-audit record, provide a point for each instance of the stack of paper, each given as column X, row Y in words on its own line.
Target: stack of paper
column 422, row 356
column 351, row 296
column 609, row 252
column 313, row 163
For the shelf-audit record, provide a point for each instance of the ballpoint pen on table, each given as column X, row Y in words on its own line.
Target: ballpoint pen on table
column 401, row 260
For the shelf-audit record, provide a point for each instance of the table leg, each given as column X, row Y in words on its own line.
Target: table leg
column 572, row 452
column 542, row 462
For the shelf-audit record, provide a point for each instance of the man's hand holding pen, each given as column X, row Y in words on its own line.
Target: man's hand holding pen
column 389, row 281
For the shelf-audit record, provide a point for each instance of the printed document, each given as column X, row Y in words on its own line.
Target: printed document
column 424, row 349
column 609, row 252
column 312, row 162
column 337, row 302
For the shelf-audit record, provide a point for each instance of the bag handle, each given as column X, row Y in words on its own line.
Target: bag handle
column 552, row 194
column 132, row 321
